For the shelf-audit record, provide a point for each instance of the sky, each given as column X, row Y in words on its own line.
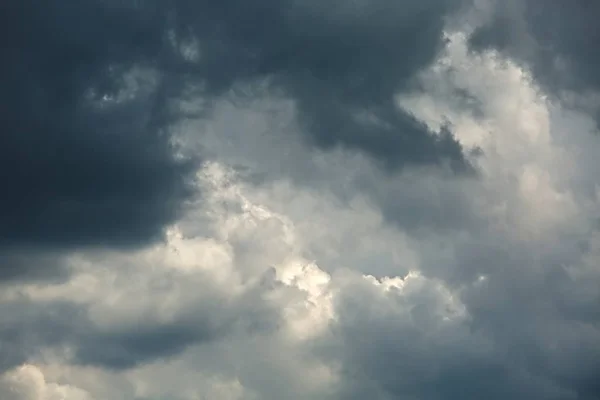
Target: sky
column 299, row 199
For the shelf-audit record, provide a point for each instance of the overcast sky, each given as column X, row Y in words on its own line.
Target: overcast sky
column 299, row 199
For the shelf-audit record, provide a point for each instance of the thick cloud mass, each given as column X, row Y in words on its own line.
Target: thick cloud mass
column 77, row 169
column 90, row 91
column 342, row 62
column 554, row 38
column 268, row 200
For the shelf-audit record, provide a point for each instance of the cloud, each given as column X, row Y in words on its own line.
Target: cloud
column 160, row 313
column 90, row 156
column 86, row 153
column 510, row 267
column 28, row 383
column 342, row 64
column 556, row 41
column 294, row 267
column 144, row 310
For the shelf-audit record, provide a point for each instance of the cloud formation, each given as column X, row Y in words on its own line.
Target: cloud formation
column 553, row 39
column 267, row 200
column 86, row 156
column 91, row 91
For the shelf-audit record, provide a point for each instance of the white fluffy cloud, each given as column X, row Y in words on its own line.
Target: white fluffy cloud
column 27, row 382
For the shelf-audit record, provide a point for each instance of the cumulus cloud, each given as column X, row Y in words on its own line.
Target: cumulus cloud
column 553, row 39
column 269, row 201
column 121, row 309
column 90, row 90
column 29, row 383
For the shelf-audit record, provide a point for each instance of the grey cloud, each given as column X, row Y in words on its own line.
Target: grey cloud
column 26, row 263
column 26, row 328
column 515, row 342
column 128, row 349
column 557, row 39
column 530, row 328
column 29, row 327
column 540, row 316
column 76, row 170
column 338, row 61
column 83, row 166
column 121, row 349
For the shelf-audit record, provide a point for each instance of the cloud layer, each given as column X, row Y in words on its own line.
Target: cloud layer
column 297, row 200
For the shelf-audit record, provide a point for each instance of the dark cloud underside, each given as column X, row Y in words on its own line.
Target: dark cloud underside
column 82, row 166
column 73, row 170
column 342, row 61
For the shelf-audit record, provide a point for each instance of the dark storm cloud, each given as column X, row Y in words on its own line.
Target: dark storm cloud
column 558, row 39
column 76, row 170
column 342, row 62
column 81, row 165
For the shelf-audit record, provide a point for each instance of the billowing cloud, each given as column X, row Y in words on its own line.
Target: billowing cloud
column 555, row 40
column 28, row 383
column 341, row 62
column 91, row 92
column 298, row 162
